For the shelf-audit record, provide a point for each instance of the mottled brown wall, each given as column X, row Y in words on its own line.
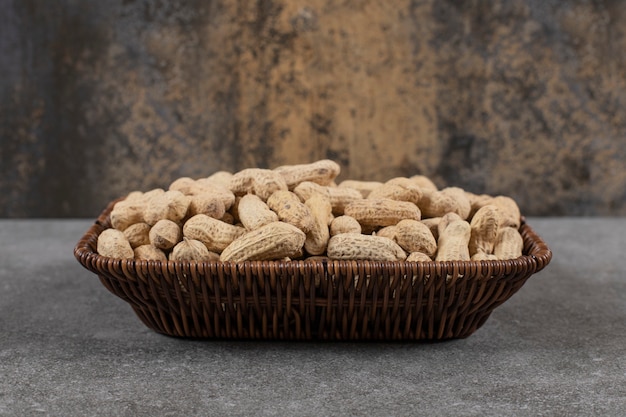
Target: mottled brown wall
column 525, row 98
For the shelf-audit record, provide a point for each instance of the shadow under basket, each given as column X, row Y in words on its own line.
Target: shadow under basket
column 313, row 299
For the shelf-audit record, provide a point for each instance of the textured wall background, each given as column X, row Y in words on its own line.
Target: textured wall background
column 525, row 98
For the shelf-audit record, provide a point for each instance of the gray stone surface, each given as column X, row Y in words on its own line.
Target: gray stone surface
column 70, row 348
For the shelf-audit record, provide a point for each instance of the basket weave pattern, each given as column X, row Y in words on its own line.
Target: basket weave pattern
column 313, row 299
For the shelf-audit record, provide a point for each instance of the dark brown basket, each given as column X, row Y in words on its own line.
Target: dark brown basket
column 313, row 299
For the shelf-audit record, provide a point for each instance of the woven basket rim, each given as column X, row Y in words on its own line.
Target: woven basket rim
column 537, row 253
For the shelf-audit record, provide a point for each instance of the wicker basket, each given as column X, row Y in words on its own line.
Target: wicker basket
column 313, row 299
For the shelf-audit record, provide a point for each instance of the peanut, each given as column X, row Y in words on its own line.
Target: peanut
column 135, row 196
column 509, row 211
column 149, row 252
column 113, row 244
column 339, row 196
column 477, row 201
column 170, row 205
column 317, row 237
column 433, row 224
column 418, row 257
column 219, row 178
column 152, row 193
column 364, row 187
column 321, row 172
column 482, row 256
column 415, row 236
column 423, row 182
column 509, row 244
column 396, row 192
column 344, row 224
column 453, row 242
column 185, row 185
column 388, row 231
column 192, row 250
column 436, row 204
column 381, row 212
column 138, row 234
column 262, row 182
column 463, row 206
column 273, row 241
column 445, row 220
column 484, row 230
column 254, row 212
column 215, row 234
column 290, row 209
column 348, row 246
column 165, row 234
column 216, row 189
column 206, row 203
column 126, row 213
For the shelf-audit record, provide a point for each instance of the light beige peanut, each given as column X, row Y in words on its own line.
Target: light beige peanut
column 321, row 172
column 192, row 250
column 349, row 246
column 273, row 241
column 165, row 234
column 290, row 209
column 234, row 210
column 215, row 234
column 381, row 212
column 407, row 183
column 138, row 234
column 339, row 196
column 510, row 215
column 364, row 187
column 138, row 196
column 216, row 189
column 436, row 204
column 170, row 205
column 344, row 224
column 477, row 201
column 127, row 212
column 262, row 182
column 388, row 231
column 135, row 196
column 445, row 220
column 185, row 185
column 206, row 203
column 509, row 211
column 152, row 193
column 149, row 253
column 396, row 192
column 254, row 212
column 219, row 178
column 482, row 256
column 453, row 242
column 415, row 236
column 509, row 244
column 433, row 224
column 463, row 206
column 141, row 198
column 424, row 182
column 317, row 238
column 418, row 257
column 113, row 244
column 484, row 225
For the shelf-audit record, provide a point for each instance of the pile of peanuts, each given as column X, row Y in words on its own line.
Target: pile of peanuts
column 300, row 212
